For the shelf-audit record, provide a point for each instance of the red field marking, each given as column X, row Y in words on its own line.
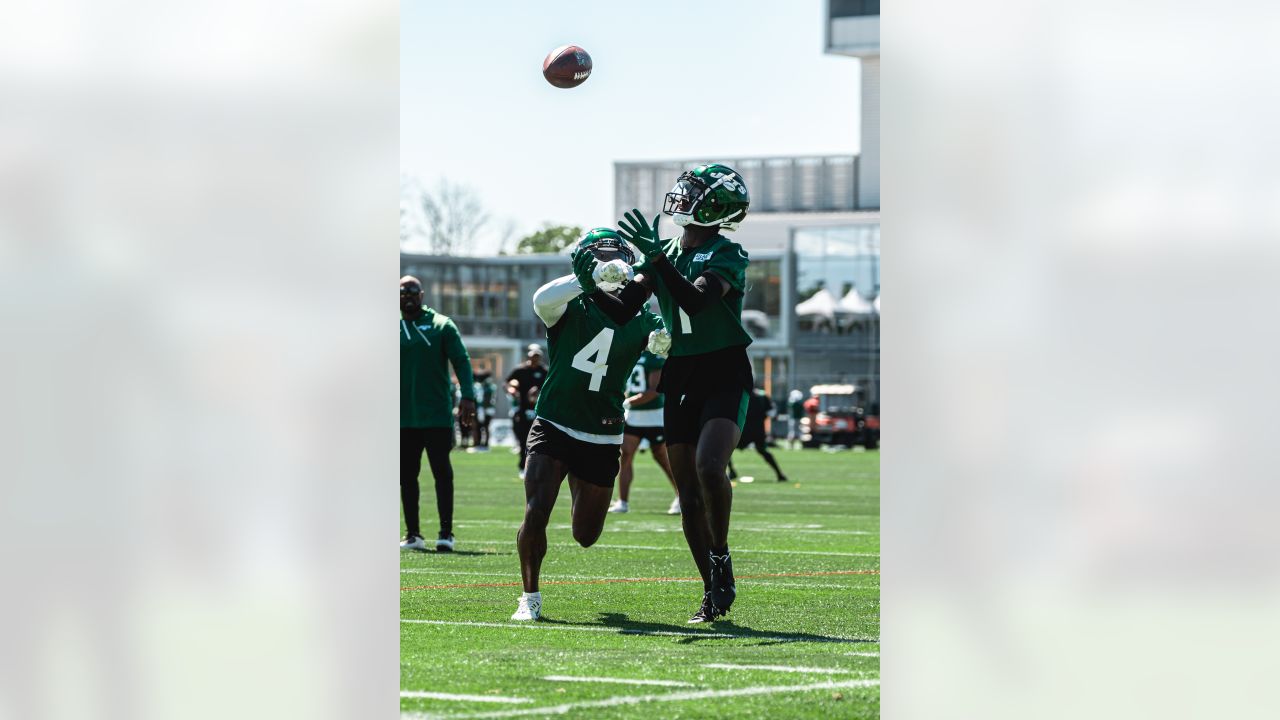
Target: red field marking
column 603, row 581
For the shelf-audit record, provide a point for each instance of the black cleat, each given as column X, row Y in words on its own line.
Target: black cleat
column 444, row 543
column 706, row 613
column 722, row 588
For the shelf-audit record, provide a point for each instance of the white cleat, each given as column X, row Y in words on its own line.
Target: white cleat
column 618, row 506
column 675, row 507
column 413, row 542
column 530, row 607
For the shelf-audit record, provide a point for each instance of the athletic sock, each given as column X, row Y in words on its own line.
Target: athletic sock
column 720, row 551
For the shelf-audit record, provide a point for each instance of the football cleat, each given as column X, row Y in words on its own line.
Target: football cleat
column 413, row 542
column 618, row 506
column 707, row 613
column 675, row 507
column 444, row 543
column 530, row 607
column 722, row 590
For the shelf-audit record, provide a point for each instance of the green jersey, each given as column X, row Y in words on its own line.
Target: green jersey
column 719, row 325
column 639, row 380
column 591, row 360
column 427, row 346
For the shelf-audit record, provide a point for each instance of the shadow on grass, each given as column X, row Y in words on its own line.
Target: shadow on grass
column 719, row 630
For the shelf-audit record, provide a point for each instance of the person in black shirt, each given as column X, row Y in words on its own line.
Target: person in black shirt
column 523, row 385
column 759, row 406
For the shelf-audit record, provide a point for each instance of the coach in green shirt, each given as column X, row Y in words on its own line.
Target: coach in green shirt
column 429, row 343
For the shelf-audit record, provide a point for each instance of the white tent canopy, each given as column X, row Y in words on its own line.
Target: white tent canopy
column 854, row 303
column 822, row 304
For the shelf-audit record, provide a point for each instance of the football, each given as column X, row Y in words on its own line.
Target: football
column 567, row 66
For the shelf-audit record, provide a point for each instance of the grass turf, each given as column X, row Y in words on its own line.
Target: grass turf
column 806, row 554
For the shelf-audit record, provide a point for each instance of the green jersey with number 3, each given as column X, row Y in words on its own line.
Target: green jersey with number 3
column 591, row 360
column 719, row 325
column 639, row 380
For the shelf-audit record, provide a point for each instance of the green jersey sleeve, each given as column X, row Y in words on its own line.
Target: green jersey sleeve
column 730, row 263
column 459, row 358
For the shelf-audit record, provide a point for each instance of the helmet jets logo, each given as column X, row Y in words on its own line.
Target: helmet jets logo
column 710, row 196
column 729, row 181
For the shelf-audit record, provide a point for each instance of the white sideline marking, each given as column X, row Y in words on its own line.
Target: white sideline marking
column 673, row 697
column 418, row 694
column 863, row 654
column 777, row 668
column 556, row 578
column 637, row 526
column 736, row 550
column 627, row 631
column 622, row 681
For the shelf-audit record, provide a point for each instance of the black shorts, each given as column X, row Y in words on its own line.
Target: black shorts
column 590, row 462
column 725, row 369
column 654, row 435
column 685, row 415
column 751, row 437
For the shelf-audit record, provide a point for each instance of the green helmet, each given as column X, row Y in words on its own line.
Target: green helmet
column 708, row 195
column 605, row 239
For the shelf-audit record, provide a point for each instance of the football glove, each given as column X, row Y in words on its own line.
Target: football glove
column 611, row 276
column 660, row 342
column 636, row 231
column 584, row 266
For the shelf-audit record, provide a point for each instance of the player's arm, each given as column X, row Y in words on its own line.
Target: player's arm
column 623, row 307
column 692, row 297
column 461, row 361
column 550, row 300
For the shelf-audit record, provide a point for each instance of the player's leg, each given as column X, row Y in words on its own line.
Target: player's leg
column 541, row 486
column 722, row 418
column 439, row 442
column 762, row 447
column 659, row 450
column 626, row 471
column 591, row 472
column 411, row 447
column 522, row 436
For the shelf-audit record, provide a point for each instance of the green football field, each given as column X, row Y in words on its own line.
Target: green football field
column 802, row 640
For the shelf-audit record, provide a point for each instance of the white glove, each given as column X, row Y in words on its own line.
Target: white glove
column 660, row 342
column 612, row 275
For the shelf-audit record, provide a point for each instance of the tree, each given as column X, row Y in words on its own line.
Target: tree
column 453, row 217
column 550, row 239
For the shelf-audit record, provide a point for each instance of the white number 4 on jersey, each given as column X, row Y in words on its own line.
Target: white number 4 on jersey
column 593, row 358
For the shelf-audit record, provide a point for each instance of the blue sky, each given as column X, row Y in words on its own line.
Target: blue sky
column 670, row 80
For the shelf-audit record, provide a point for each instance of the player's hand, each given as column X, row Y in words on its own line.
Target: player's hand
column 660, row 342
column 466, row 414
column 636, row 231
column 584, row 267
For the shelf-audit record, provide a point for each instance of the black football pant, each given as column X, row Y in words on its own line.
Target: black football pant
column 437, row 442
column 520, row 426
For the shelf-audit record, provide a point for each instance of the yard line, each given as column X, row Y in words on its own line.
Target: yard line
column 672, row 697
column 621, row 681
column 777, row 668
column 635, row 526
column 601, row 581
column 629, row 631
column 419, row 694
column 863, row 654
column 738, row 550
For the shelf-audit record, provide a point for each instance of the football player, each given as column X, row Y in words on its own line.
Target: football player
column 643, row 422
column 578, row 420
column 699, row 279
